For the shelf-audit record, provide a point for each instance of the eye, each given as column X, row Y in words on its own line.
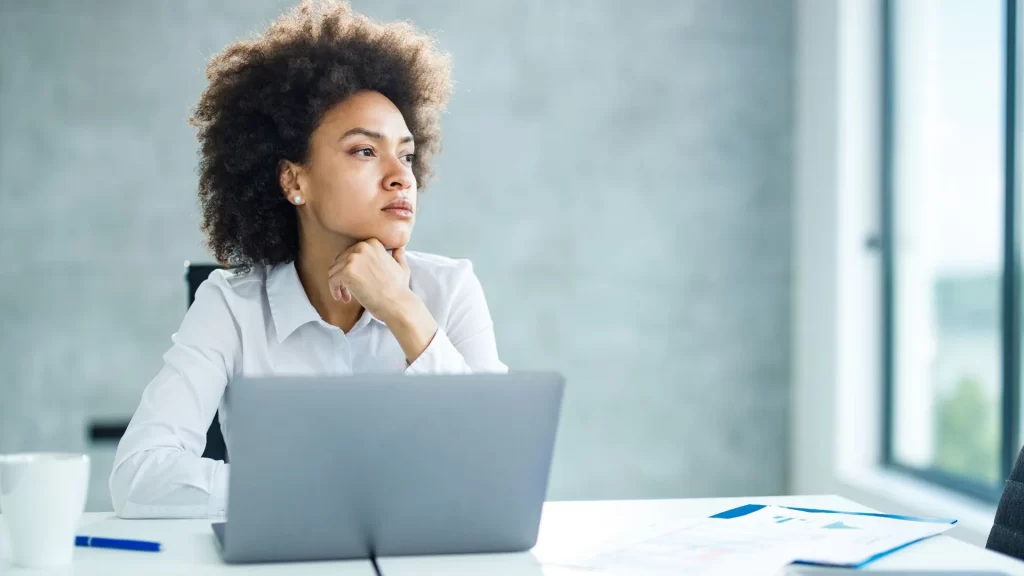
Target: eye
column 364, row 152
column 409, row 158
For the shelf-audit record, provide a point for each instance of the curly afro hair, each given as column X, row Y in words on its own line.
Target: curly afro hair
column 267, row 95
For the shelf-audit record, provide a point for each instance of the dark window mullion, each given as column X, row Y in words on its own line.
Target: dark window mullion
column 1011, row 268
column 888, row 234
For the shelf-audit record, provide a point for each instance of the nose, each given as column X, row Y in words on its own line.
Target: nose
column 400, row 177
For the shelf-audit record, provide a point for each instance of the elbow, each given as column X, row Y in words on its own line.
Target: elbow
column 161, row 483
column 122, row 485
column 128, row 482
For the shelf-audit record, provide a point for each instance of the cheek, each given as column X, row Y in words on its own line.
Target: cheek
column 345, row 194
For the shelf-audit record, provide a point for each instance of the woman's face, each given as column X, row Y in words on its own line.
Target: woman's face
column 358, row 183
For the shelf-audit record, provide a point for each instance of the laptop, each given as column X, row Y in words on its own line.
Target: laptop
column 332, row 468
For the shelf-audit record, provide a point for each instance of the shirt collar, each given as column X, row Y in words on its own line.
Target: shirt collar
column 289, row 304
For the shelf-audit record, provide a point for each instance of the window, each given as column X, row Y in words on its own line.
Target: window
column 949, row 215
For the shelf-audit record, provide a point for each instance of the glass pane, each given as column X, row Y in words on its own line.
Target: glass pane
column 948, row 251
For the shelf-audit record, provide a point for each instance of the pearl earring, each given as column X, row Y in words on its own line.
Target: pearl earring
column 297, row 199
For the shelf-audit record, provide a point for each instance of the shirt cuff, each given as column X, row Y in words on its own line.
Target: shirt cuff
column 218, row 504
column 440, row 357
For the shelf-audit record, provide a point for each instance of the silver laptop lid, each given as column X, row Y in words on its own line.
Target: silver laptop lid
column 365, row 466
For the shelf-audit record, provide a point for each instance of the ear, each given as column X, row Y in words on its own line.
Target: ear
column 288, row 174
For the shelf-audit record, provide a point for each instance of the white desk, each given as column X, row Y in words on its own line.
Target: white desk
column 566, row 526
column 188, row 548
column 583, row 525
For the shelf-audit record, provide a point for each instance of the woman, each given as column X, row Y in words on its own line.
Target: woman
column 316, row 138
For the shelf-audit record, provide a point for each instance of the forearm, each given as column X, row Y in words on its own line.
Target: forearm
column 412, row 325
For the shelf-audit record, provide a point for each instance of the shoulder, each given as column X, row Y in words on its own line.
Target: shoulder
column 437, row 265
column 227, row 304
column 240, row 292
column 435, row 276
column 236, row 285
column 451, row 291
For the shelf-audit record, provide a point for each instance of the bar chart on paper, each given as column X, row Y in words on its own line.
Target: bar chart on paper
column 759, row 540
column 782, row 519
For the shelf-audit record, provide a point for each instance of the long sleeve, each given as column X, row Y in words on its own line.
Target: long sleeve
column 465, row 343
column 159, row 471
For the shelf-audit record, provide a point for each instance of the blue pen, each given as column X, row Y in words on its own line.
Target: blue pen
column 118, row 544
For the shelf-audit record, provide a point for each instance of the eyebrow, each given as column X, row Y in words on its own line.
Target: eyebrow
column 372, row 134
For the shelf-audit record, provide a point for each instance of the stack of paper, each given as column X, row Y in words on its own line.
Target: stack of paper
column 759, row 539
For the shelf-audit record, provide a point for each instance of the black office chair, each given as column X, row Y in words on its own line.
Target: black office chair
column 1007, row 534
column 195, row 274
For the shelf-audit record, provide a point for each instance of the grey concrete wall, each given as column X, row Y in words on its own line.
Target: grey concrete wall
column 619, row 173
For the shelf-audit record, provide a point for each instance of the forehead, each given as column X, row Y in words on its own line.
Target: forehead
column 369, row 110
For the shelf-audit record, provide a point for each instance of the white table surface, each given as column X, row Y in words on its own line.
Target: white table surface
column 188, row 547
column 583, row 525
column 566, row 526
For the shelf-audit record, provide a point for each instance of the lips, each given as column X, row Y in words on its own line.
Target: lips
column 399, row 208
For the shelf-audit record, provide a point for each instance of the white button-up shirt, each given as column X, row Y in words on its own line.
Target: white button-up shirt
column 262, row 323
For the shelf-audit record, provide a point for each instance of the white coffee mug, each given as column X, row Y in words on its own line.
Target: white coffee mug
column 42, row 498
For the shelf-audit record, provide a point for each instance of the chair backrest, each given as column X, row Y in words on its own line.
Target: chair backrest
column 195, row 274
column 1007, row 535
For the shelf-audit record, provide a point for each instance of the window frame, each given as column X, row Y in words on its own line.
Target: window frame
column 1010, row 297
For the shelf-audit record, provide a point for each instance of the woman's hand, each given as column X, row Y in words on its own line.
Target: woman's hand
column 377, row 280
column 380, row 283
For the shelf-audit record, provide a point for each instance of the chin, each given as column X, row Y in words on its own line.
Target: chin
column 395, row 237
